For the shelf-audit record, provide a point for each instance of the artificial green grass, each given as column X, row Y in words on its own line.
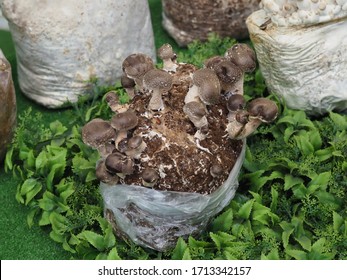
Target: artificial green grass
column 17, row 240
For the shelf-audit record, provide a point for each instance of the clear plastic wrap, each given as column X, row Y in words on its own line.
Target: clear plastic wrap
column 156, row 219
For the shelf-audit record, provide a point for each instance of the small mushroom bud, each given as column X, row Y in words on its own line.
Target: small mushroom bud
column 235, row 103
column 122, row 123
column 237, row 116
column 106, row 149
column 149, row 177
column 237, row 124
column 113, row 102
column 216, row 170
column 129, row 85
column 205, row 88
column 261, row 110
column 196, row 112
column 213, row 61
column 158, row 82
column 166, row 53
column 243, row 56
column 230, row 77
column 117, row 163
column 97, row 133
column 135, row 66
column 104, row 176
column 135, row 147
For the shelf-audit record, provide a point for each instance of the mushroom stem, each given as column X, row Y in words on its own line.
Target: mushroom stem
column 248, row 128
column 237, row 122
column 169, row 65
column 156, row 102
column 192, row 94
column 121, row 134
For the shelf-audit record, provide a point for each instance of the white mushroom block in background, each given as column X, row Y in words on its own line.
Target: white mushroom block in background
column 3, row 22
column 303, row 60
column 186, row 20
column 62, row 44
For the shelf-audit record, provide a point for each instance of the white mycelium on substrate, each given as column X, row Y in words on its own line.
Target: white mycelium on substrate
column 304, row 12
column 301, row 49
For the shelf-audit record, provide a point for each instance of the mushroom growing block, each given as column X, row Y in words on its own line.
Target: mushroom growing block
column 178, row 154
column 8, row 107
column 60, row 45
column 301, row 49
column 186, row 21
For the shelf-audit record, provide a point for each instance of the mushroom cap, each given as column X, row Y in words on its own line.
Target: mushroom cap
column 134, row 142
column 209, row 87
column 236, row 102
column 97, row 132
column 213, row 61
column 157, row 79
column 166, row 52
column 264, row 109
column 103, row 175
column 216, row 170
column 119, row 163
column 124, row 121
column 149, row 175
column 243, row 56
column 194, row 109
column 112, row 99
column 127, row 82
column 136, row 65
column 242, row 117
column 228, row 72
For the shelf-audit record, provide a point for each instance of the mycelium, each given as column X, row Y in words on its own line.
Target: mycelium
column 175, row 133
column 301, row 49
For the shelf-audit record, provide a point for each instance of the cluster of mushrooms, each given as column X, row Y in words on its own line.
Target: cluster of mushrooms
column 220, row 80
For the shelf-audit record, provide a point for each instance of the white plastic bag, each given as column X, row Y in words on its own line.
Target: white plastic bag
column 306, row 66
column 60, row 45
column 156, row 219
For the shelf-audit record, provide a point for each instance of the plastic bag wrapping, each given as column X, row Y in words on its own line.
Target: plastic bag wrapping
column 306, row 67
column 74, row 42
column 156, row 219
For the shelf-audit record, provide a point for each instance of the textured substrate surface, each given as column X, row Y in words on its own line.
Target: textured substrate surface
column 182, row 163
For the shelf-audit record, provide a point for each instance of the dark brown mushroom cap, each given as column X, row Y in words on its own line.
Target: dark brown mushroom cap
column 243, row 56
column 236, row 102
column 228, row 72
column 209, row 87
column 127, row 82
column 213, row 61
column 136, row 65
column 166, row 52
column 134, row 142
column 97, row 132
column 103, row 175
column 118, row 163
column 194, row 109
column 242, row 117
column 149, row 175
column 124, row 121
column 264, row 109
column 157, row 79
column 112, row 99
